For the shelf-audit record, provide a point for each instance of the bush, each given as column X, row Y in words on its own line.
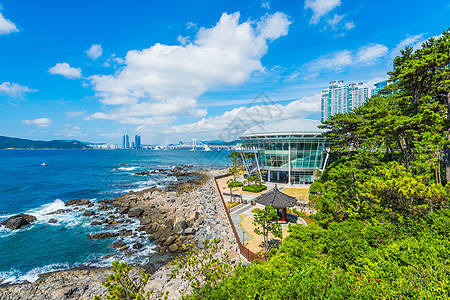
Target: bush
column 254, row 188
column 235, row 184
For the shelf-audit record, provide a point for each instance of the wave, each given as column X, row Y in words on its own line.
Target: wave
column 127, row 168
column 15, row 276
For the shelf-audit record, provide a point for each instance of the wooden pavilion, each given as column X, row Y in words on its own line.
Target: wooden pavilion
column 277, row 200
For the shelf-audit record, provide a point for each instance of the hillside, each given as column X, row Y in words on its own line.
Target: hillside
column 16, row 143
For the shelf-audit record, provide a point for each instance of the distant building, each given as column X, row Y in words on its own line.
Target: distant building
column 378, row 86
column 137, row 142
column 125, row 141
column 341, row 98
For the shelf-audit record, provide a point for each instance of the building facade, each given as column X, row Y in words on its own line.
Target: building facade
column 288, row 151
column 378, row 86
column 137, row 142
column 341, row 98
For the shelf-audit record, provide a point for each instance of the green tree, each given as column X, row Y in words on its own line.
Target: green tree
column 121, row 286
column 203, row 268
column 265, row 223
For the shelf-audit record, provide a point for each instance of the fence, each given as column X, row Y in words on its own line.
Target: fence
column 249, row 255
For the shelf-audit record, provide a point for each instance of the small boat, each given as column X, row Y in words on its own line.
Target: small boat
column 44, row 164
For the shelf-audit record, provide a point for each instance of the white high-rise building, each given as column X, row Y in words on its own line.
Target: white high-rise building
column 340, row 98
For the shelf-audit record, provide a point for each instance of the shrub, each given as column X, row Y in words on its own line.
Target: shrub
column 254, row 188
column 235, row 184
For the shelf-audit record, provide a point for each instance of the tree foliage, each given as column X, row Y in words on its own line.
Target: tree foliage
column 265, row 223
column 121, row 286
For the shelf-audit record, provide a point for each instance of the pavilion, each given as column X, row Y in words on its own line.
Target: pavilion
column 277, row 200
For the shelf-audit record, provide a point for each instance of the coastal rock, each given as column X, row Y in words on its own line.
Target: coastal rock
column 88, row 213
column 76, row 202
column 59, row 211
column 18, row 221
column 52, row 221
column 103, row 235
column 189, row 231
column 173, row 248
column 135, row 212
column 119, row 244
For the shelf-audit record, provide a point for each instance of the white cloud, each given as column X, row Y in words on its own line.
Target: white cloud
column 167, row 80
column 6, row 26
column 245, row 117
column 14, row 90
column 183, row 40
column 265, row 4
column 190, row 25
column 414, row 41
column 40, row 122
column 65, row 70
column 335, row 21
column 75, row 113
column 349, row 25
column 320, row 8
column 95, row 51
column 337, row 61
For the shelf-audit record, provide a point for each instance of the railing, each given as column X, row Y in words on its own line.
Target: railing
column 249, row 255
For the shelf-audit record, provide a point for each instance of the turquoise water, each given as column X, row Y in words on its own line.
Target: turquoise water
column 28, row 187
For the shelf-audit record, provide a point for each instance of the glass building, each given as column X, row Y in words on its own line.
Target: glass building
column 378, row 86
column 288, row 151
column 341, row 98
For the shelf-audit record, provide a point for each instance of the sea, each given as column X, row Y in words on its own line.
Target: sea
column 28, row 187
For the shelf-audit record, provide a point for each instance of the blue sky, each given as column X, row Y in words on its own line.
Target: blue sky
column 94, row 70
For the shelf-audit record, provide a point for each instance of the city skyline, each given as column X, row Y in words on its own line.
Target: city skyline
column 179, row 71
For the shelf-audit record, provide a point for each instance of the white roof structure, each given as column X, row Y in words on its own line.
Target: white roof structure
column 291, row 126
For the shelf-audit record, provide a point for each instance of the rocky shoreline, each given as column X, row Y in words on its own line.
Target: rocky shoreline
column 173, row 219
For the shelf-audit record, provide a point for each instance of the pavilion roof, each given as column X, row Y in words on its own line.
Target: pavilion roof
column 276, row 199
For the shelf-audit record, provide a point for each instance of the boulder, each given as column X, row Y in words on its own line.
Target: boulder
column 179, row 226
column 59, row 211
column 119, row 244
column 18, row 221
column 189, row 231
column 135, row 212
column 169, row 241
column 137, row 246
column 77, row 202
column 173, row 248
column 103, row 235
column 52, row 221
column 88, row 213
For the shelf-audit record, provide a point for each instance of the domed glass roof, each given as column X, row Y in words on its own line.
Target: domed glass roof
column 291, row 126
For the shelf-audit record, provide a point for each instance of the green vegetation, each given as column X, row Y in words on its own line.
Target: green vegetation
column 202, row 268
column 230, row 204
column 121, row 286
column 264, row 223
column 235, row 184
column 382, row 227
column 254, row 188
column 8, row 142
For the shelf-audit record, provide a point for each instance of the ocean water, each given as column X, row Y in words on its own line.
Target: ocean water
column 28, row 187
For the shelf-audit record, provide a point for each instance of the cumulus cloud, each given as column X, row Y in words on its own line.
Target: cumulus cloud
column 65, row 70
column 14, row 90
column 167, row 80
column 320, row 8
column 40, row 122
column 246, row 117
column 337, row 61
column 349, row 25
column 6, row 26
column 95, row 51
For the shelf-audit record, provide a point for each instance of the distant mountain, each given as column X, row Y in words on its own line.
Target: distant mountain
column 16, row 143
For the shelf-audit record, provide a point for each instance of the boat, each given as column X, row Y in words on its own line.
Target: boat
column 44, row 164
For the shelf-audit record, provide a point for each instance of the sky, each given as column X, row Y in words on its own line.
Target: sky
column 177, row 70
